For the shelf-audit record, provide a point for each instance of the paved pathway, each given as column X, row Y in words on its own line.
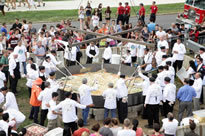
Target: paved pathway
column 74, row 4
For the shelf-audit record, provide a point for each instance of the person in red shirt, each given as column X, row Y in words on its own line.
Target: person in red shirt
column 120, row 12
column 153, row 11
column 126, row 13
column 81, row 129
column 142, row 13
column 194, row 34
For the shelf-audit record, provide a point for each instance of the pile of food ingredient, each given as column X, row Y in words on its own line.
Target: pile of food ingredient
column 101, row 77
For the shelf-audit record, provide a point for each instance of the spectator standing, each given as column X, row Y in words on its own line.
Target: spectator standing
column 52, row 115
column 151, row 25
column 5, row 61
column 35, row 103
column 108, row 15
column 16, row 25
column 4, row 29
column 142, row 13
column 13, row 41
column 105, row 130
column 88, row 11
column 185, row 95
column 95, row 19
column 170, row 125
column 115, row 128
column 2, row 4
column 81, row 129
column 81, row 16
column 127, row 13
column 40, row 53
column 126, row 131
column 99, row 10
column 153, row 11
column 139, row 131
column 120, row 12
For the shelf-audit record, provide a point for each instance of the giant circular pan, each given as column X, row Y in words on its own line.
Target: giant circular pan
column 133, row 99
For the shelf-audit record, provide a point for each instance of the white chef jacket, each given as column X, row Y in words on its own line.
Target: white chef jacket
column 110, row 96
column 161, row 76
column 2, row 79
column 145, row 84
column 140, row 50
column 12, row 65
column 203, row 57
column 122, row 88
column 28, row 67
column 107, row 54
column 45, row 96
column 4, row 125
column 11, row 101
column 85, row 94
column 169, row 92
column 198, row 87
column 50, row 114
column 1, row 98
column 68, row 107
column 133, row 48
column 49, row 67
column 148, row 61
column 163, row 63
column 161, row 44
column 15, row 114
column 53, row 85
column 172, row 73
column 53, row 59
column 128, row 59
column 93, row 48
column 154, row 94
column 158, row 57
column 32, row 76
column 181, row 51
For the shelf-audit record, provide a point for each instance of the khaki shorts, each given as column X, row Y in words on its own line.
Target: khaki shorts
column 53, row 124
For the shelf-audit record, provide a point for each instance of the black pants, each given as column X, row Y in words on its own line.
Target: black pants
column 126, row 18
column 153, row 17
column 70, row 63
column 89, row 60
column 6, row 75
column 153, row 111
column 29, row 91
column 13, row 84
column 134, row 59
column 69, row 127
column 43, row 116
column 177, row 64
column 120, row 18
column 107, row 61
column 34, row 113
column 167, row 108
column 142, row 19
column 144, row 110
column 122, row 110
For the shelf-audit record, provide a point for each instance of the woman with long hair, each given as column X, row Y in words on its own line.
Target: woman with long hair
column 88, row 11
column 108, row 15
column 81, row 16
column 191, row 71
column 139, row 131
column 99, row 10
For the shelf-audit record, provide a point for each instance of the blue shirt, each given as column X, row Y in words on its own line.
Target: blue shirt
column 186, row 93
column 151, row 27
column 3, row 30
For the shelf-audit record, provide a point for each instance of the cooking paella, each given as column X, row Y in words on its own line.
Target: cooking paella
column 101, row 77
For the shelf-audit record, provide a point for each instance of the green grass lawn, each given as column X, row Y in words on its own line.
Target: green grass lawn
column 57, row 15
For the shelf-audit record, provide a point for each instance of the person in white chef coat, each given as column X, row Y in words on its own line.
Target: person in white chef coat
column 127, row 58
column 49, row 66
column 133, row 51
column 70, row 55
column 10, row 99
column 92, row 52
column 52, row 55
column 202, row 54
column 162, row 42
column 110, row 104
column 53, row 83
column 169, row 96
column 159, row 54
column 85, row 97
column 107, row 54
column 178, row 52
column 198, row 88
column 147, row 64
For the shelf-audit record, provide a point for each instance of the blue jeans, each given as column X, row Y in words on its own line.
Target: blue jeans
column 24, row 67
column 85, row 115
column 113, row 113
